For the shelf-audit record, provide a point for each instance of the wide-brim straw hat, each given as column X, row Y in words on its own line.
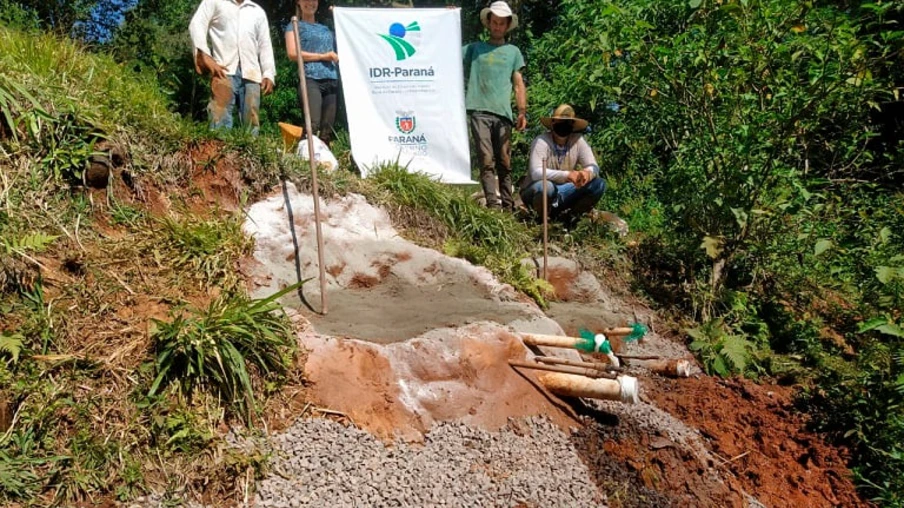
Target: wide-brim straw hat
column 502, row 10
column 565, row 112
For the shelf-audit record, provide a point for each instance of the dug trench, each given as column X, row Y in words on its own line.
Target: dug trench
column 413, row 339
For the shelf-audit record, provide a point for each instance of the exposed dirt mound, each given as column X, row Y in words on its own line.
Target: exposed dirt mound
column 448, row 375
column 637, row 469
column 761, row 440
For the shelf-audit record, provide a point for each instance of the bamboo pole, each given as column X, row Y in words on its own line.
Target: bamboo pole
column 579, row 371
column 617, row 331
column 599, row 344
column 667, row 367
column 302, row 82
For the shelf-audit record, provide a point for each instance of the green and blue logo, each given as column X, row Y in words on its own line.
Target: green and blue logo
column 396, row 38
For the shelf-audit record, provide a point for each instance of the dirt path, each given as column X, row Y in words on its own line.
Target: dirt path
column 414, row 338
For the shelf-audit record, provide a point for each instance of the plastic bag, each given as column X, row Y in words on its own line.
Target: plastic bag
column 322, row 154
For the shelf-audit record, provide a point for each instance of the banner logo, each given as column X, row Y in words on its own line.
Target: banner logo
column 405, row 123
column 396, row 38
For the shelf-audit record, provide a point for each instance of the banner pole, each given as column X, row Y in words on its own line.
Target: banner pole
column 302, row 82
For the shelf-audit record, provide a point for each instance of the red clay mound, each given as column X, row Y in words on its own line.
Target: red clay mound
column 449, row 374
column 761, row 440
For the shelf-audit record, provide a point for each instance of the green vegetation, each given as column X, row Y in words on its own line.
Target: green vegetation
column 81, row 271
column 214, row 349
column 205, row 248
column 741, row 142
column 746, row 142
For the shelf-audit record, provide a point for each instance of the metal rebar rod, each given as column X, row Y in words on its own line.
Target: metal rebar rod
column 606, row 367
column 591, row 373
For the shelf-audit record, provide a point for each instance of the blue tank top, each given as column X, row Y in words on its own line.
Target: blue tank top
column 317, row 38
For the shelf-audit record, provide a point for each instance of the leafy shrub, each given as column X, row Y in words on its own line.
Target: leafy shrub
column 864, row 407
column 219, row 348
column 716, row 116
column 720, row 352
column 11, row 346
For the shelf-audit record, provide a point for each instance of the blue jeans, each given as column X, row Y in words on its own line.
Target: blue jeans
column 564, row 198
column 231, row 92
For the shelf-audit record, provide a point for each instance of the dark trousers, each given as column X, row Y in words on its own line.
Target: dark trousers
column 322, row 99
column 493, row 143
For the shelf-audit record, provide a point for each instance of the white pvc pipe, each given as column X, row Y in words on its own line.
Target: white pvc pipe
column 537, row 339
column 673, row 368
column 624, row 388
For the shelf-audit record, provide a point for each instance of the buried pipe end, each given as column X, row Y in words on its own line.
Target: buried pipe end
column 683, row 368
column 629, row 389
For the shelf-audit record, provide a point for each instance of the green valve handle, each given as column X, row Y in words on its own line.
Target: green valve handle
column 593, row 343
column 638, row 330
column 596, row 343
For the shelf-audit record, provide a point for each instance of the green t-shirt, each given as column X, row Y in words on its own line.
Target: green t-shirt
column 489, row 71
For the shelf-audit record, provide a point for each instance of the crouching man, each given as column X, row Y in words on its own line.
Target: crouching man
column 573, row 185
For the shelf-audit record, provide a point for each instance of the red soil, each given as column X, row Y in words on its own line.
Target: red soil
column 761, row 440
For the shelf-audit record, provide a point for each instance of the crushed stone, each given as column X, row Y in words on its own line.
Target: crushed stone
column 529, row 462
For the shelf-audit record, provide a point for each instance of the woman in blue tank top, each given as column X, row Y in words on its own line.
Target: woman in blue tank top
column 318, row 51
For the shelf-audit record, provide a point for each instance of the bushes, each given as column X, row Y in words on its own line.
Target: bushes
column 732, row 109
column 738, row 136
column 865, row 407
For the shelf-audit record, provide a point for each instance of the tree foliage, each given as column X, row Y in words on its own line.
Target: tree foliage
column 742, row 138
column 56, row 15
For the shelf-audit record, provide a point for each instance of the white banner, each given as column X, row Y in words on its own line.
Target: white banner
column 404, row 89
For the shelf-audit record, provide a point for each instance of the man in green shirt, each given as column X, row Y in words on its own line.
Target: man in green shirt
column 493, row 70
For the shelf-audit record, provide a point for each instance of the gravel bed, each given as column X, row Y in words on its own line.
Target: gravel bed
column 530, row 462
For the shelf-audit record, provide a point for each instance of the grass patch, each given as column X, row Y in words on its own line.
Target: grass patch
column 208, row 249
column 496, row 240
column 64, row 78
column 216, row 349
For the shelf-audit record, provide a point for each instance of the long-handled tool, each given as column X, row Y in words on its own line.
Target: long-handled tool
column 545, row 226
column 307, row 127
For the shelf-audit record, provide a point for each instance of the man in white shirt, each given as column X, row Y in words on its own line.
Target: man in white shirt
column 239, row 59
